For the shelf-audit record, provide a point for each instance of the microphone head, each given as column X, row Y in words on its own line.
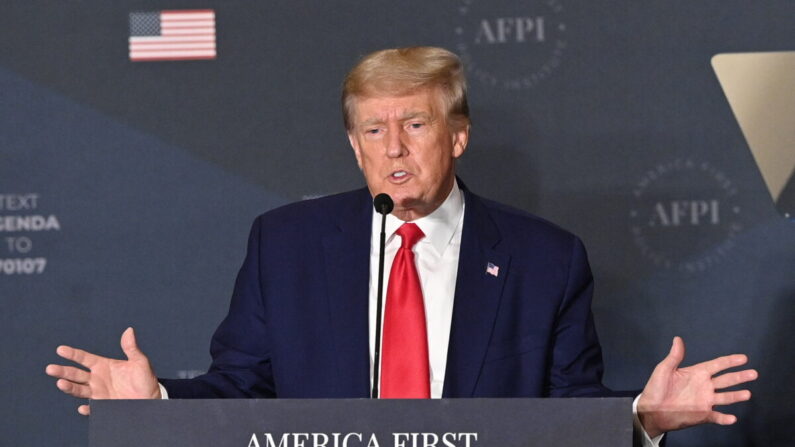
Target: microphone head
column 383, row 203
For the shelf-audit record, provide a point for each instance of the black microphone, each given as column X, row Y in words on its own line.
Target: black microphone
column 383, row 204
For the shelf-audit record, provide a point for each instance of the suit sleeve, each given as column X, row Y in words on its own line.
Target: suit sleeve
column 240, row 347
column 576, row 356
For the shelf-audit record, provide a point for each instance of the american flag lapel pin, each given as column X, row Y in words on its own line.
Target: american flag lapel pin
column 492, row 269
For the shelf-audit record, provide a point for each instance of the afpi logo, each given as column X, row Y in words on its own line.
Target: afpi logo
column 512, row 45
column 677, row 213
column 503, row 30
column 686, row 216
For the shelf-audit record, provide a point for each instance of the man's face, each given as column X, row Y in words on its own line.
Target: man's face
column 406, row 148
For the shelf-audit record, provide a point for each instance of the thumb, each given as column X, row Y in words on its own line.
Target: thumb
column 675, row 356
column 130, row 346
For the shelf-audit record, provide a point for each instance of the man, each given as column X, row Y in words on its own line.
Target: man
column 483, row 300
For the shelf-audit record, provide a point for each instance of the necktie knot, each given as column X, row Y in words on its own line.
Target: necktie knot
column 409, row 234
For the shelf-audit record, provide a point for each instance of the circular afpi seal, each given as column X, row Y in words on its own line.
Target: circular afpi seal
column 508, row 44
column 686, row 216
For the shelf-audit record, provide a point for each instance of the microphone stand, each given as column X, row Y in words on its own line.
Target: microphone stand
column 383, row 204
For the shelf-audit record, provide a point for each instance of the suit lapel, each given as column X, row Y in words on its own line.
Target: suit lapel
column 477, row 298
column 346, row 253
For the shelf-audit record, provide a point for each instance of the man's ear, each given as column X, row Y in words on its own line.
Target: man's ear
column 460, row 140
column 356, row 149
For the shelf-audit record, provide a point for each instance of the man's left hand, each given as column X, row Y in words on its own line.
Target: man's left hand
column 676, row 398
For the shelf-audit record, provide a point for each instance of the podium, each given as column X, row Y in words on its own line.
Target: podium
column 574, row 422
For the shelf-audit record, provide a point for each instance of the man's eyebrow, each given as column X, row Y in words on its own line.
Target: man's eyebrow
column 406, row 116
column 412, row 115
column 371, row 121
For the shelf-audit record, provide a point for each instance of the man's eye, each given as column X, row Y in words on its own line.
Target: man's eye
column 372, row 131
column 416, row 125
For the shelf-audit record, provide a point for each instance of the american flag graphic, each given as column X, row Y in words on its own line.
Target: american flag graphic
column 492, row 269
column 172, row 35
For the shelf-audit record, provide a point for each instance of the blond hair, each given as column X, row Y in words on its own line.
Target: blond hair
column 401, row 71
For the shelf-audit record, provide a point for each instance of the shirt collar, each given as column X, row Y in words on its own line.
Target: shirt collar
column 439, row 226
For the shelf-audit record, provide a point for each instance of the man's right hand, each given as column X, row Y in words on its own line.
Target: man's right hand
column 106, row 378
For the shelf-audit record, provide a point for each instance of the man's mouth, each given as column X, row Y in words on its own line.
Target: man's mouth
column 399, row 176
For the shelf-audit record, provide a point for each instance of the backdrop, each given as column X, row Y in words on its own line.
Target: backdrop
column 127, row 187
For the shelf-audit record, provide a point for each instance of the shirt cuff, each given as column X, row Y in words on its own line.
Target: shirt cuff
column 645, row 440
column 164, row 394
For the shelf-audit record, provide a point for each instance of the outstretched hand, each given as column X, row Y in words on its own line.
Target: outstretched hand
column 106, row 378
column 676, row 398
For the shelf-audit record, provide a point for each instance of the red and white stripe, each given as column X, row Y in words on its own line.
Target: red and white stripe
column 185, row 35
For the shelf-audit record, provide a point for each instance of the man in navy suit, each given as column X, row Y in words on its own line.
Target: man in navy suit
column 302, row 310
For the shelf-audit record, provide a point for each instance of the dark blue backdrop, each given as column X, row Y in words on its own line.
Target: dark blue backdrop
column 603, row 116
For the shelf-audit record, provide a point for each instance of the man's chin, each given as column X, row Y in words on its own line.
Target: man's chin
column 408, row 210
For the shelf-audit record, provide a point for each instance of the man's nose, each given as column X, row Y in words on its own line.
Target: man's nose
column 395, row 146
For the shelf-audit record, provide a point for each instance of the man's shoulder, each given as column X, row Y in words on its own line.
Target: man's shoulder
column 316, row 211
column 510, row 219
column 535, row 245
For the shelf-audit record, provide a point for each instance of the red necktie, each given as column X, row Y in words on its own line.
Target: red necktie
column 404, row 365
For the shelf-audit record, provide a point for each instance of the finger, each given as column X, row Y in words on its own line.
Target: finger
column 675, row 356
column 734, row 378
column 84, row 358
column 74, row 389
column 69, row 373
column 731, row 397
column 85, row 410
column 722, row 418
column 719, row 364
column 130, row 346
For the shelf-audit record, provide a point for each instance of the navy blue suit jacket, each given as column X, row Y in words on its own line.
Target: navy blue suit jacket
column 298, row 321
